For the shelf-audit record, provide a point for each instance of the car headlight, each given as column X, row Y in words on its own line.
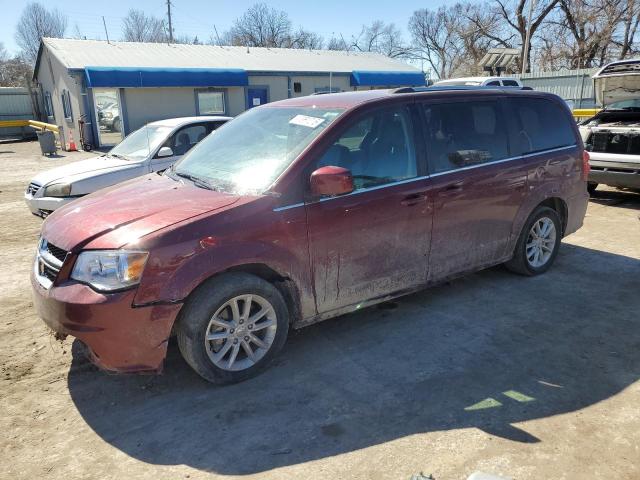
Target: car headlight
column 57, row 190
column 108, row 115
column 109, row 269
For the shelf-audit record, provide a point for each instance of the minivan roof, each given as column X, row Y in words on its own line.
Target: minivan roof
column 351, row 99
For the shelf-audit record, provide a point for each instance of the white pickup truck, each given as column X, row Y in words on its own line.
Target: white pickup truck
column 612, row 136
column 154, row 147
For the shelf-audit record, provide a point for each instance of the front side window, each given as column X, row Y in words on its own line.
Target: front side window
column 210, row 103
column 542, row 125
column 378, row 149
column 510, row 83
column 463, row 134
column 249, row 153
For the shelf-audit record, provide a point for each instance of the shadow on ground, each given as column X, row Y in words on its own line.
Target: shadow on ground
column 485, row 351
column 617, row 198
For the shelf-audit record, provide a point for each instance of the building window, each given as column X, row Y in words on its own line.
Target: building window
column 48, row 105
column 297, row 87
column 210, row 102
column 66, row 105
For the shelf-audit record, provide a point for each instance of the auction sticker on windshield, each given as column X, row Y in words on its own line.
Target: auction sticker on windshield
column 306, row 121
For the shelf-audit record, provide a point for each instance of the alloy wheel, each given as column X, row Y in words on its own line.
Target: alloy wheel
column 541, row 242
column 241, row 332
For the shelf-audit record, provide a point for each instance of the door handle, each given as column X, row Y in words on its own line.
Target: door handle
column 451, row 189
column 413, row 199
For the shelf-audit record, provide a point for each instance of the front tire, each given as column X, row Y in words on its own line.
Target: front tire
column 232, row 327
column 538, row 243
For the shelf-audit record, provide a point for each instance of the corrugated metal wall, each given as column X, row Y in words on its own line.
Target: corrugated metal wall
column 15, row 104
column 575, row 86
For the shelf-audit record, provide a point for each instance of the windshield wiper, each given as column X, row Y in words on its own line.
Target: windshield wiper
column 197, row 181
column 117, row 155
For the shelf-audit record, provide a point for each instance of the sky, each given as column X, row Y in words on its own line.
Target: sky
column 194, row 17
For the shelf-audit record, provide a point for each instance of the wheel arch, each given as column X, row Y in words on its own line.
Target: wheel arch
column 559, row 206
column 283, row 283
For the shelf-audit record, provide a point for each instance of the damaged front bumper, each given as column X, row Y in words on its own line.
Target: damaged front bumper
column 120, row 337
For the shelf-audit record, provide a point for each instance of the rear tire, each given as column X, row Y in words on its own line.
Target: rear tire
column 224, row 320
column 591, row 188
column 538, row 243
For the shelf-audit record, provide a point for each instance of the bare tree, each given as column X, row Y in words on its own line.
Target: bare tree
column 264, row 26
column 261, row 26
column 37, row 22
column 4, row 55
column 381, row 38
column 302, row 38
column 512, row 11
column 139, row 27
column 435, row 34
column 14, row 72
column 479, row 29
column 335, row 43
column 629, row 29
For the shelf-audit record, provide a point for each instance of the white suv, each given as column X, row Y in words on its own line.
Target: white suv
column 480, row 82
column 154, row 147
column 612, row 136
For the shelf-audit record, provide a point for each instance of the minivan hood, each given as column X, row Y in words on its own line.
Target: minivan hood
column 617, row 81
column 81, row 169
column 122, row 214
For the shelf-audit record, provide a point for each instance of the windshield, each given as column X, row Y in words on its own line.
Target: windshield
column 632, row 103
column 139, row 144
column 249, row 153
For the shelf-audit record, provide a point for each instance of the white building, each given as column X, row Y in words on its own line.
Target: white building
column 116, row 87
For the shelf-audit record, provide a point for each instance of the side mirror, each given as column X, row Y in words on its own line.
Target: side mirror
column 331, row 181
column 165, row 152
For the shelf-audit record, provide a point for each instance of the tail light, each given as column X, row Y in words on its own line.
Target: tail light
column 586, row 168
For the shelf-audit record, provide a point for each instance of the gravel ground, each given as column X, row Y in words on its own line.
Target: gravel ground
column 531, row 378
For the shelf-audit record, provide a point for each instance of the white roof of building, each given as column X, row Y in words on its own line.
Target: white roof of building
column 78, row 54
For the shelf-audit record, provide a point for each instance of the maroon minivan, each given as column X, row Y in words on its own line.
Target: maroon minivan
column 306, row 209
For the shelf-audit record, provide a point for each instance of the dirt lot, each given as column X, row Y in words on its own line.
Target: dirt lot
column 531, row 378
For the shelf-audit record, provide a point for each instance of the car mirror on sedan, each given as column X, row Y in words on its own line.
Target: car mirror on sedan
column 165, row 152
column 330, row 181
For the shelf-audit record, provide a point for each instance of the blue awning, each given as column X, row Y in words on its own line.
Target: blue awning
column 370, row 78
column 165, row 77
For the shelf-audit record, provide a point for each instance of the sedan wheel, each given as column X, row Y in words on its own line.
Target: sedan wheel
column 541, row 242
column 241, row 332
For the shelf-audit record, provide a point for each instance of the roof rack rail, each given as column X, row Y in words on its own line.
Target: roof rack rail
column 436, row 88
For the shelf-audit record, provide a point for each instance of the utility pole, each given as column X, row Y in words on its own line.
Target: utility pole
column 105, row 29
column 170, row 26
column 527, row 38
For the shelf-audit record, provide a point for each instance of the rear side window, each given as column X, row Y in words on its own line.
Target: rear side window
column 510, row 83
column 493, row 83
column 541, row 125
column 377, row 149
column 463, row 134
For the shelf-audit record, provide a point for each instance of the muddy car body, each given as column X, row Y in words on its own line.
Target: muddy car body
column 378, row 194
